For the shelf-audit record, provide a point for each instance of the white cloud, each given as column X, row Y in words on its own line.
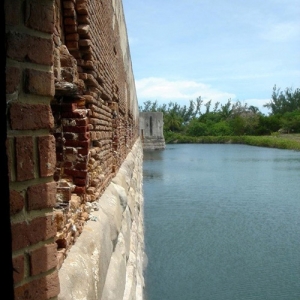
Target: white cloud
column 164, row 90
column 281, row 32
column 182, row 91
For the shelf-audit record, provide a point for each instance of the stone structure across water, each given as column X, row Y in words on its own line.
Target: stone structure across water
column 151, row 130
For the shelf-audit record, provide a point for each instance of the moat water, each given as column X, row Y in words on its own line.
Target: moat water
column 222, row 222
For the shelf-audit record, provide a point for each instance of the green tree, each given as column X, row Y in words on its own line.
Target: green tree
column 282, row 102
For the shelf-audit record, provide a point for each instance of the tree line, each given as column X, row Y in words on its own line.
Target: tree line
column 232, row 118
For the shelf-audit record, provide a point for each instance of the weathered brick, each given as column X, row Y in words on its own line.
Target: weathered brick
column 39, row 82
column 24, row 158
column 82, row 122
column 39, row 16
column 43, row 259
column 72, row 45
column 24, row 116
column 80, row 190
column 17, row 202
column 23, row 47
column 18, row 264
column 10, row 157
column 83, row 151
column 80, row 181
column 78, row 113
column 19, row 233
column 81, row 166
column 13, row 79
column 41, row 196
column 74, row 143
column 41, row 229
column 70, row 29
column 64, row 107
column 78, row 129
column 47, row 155
column 42, row 288
column 76, row 173
column 84, row 136
column 13, row 12
column 72, row 37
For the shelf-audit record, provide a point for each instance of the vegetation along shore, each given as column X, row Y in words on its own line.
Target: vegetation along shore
column 234, row 122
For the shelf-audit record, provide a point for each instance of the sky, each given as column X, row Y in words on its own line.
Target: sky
column 216, row 49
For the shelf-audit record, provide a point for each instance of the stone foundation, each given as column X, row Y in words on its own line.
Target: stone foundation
column 106, row 263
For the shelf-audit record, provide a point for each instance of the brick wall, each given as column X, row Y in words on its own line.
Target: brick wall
column 72, row 118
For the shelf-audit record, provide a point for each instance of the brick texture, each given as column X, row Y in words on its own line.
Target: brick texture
column 41, row 196
column 39, row 289
column 18, row 264
column 13, row 78
column 39, row 83
column 43, row 259
column 23, row 47
column 41, row 229
column 46, row 145
column 24, row 116
column 24, row 157
column 17, row 202
column 39, row 16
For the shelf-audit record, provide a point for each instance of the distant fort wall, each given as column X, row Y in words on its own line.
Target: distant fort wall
column 151, row 130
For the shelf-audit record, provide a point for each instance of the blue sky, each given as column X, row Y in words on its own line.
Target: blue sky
column 216, row 49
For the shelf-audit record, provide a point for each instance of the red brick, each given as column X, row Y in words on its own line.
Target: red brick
column 69, row 13
column 19, row 233
column 80, row 190
column 82, row 122
column 84, row 136
column 10, row 147
column 69, row 135
column 70, row 28
column 68, row 4
column 23, row 47
column 81, row 166
column 83, row 151
column 18, row 264
column 47, row 155
column 74, row 143
column 13, row 79
column 79, row 113
column 41, row 229
column 67, row 164
column 40, row 17
column 78, row 129
column 12, row 12
column 76, row 173
column 24, row 158
column 80, row 181
column 24, row 116
column 70, row 21
column 17, row 202
column 43, row 259
column 39, row 82
column 64, row 107
column 72, row 37
column 41, row 196
column 39, row 289
column 72, row 45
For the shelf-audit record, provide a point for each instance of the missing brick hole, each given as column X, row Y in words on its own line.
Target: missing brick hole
column 115, row 51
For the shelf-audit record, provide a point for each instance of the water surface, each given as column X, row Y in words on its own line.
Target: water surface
column 222, row 222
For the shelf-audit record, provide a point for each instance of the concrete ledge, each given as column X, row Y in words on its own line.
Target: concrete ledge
column 106, row 262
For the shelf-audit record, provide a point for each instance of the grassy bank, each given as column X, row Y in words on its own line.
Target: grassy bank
column 281, row 141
